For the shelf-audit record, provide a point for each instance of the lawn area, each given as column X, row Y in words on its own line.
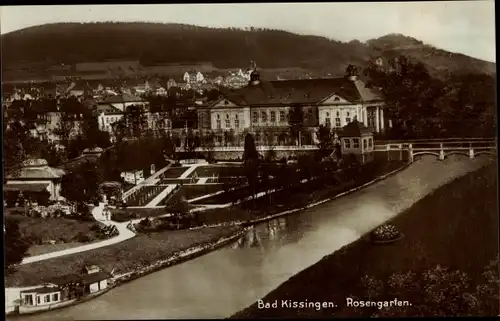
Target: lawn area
column 174, row 172
column 48, row 248
column 60, row 229
column 226, row 197
column 455, row 227
column 196, row 190
column 167, row 181
column 137, row 252
column 127, row 214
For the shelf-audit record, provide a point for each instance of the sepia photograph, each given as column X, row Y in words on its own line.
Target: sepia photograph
column 250, row 160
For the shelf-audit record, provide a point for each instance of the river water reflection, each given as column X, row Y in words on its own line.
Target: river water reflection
column 223, row 282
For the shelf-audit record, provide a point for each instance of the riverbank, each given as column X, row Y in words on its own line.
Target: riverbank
column 455, row 227
column 127, row 256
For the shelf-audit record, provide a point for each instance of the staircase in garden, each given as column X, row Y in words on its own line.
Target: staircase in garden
column 144, row 195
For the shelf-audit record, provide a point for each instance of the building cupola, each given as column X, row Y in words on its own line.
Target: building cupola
column 254, row 75
column 352, row 72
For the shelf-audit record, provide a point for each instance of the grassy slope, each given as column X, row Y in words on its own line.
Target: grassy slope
column 456, row 227
column 57, row 229
column 123, row 257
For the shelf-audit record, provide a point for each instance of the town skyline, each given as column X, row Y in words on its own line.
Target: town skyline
column 466, row 27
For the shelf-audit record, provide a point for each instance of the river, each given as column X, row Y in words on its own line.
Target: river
column 223, row 282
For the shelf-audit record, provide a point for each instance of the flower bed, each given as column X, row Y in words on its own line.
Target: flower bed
column 384, row 234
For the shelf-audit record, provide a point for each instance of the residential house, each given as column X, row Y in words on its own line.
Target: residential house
column 111, row 110
column 54, row 120
column 357, row 139
column 171, row 83
column 107, row 115
column 35, row 178
column 193, row 77
column 122, row 101
column 263, row 107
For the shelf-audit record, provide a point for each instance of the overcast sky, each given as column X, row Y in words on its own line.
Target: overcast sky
column 460, row 26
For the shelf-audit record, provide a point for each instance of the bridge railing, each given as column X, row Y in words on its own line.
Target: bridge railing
column 424, row 140
column 259, row 148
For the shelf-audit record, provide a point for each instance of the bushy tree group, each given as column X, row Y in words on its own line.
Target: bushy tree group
column 423, row 106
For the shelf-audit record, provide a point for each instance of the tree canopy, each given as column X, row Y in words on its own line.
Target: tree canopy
column 424, row 106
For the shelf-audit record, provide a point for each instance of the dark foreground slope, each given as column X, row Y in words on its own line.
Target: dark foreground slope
column 456, row 227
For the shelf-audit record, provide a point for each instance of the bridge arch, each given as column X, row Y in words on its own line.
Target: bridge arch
column 425, row 153
column 486, row 152
column 466, row 154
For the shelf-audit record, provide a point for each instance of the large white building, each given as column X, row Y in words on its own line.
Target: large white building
column 264, row 107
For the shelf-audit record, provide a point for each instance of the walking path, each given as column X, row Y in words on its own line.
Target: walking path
column 160, row 197
column 191, row 169
column 97, row 212
column 203, row 180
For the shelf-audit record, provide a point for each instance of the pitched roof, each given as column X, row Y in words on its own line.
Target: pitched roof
column 65, row 279
column 122, row 98
column 302, row 91
column 106, row 108
column 44, row 172
column 42, row 290
column 79, row 161
column 29, row 187
column 367, row 94
column 355, row 129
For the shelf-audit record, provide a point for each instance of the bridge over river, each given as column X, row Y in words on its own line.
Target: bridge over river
column 223, row 282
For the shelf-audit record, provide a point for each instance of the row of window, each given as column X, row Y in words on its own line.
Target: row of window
column 337, row 122
column 367, row 143
column 110, row 120
column 47, row 298
column 228, row 123
column 337, row 114
column 264, row 119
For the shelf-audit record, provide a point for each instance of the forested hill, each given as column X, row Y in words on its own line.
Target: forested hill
column 154, row 43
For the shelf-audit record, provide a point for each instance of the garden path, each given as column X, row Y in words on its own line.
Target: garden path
column 97, row 212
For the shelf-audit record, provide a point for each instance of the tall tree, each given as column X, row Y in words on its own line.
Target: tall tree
column 135, row 120
column 251, row 163
column 208, row 142
column 189, row 142
column 93, row 136
column 325, row 140
column 17, row 139
column 296, row 123
column 81, row 184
